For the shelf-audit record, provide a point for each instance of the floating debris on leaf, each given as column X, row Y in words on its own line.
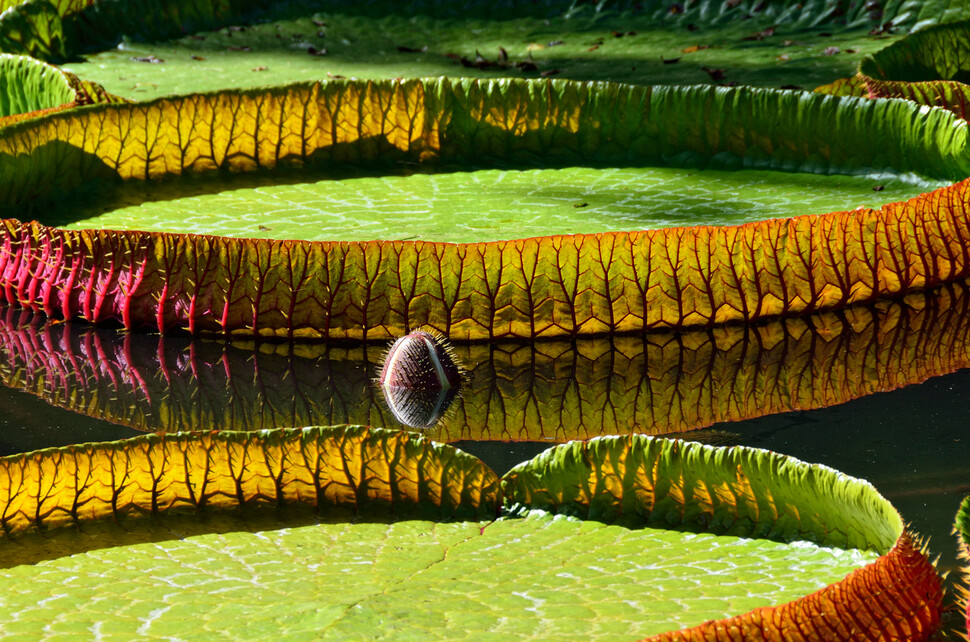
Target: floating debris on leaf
column 761, row 35
column 716, row 74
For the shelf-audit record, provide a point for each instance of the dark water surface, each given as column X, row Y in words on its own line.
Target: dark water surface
column 880, row 392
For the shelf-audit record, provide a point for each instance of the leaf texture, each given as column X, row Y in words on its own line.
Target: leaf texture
column 533, row 288
column 549, row 391
column 635, row 480
column 58, row 29
column 29, row 88
column 638, row 480
column 929, row 67
column 358, row 468
column 962, row 531
column 908, row 608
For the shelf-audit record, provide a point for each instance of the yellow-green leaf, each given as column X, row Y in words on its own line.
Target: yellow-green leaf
column 534, row 288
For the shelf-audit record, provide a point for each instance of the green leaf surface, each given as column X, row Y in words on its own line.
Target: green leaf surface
column 530, row 574
column 936, row 12
column 940, row 52
column 472, row 206
column 382, row 31
column 639, row 280
column 929, row 67
column 533, row 578
column 622, row 47
column 28, row 85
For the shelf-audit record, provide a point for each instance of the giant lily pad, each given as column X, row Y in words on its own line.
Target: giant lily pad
column 929, row 67
column 962, row 530
column 783, row 44
column 580, row 40
column 551, row 391
column 29, row 87
column 545, row 287
column 780, row 528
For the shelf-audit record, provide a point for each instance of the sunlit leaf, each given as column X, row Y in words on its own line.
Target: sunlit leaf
column 30, row 88
column 543, row 287
column 357, row 468
column 728, row 530
column 548, row 391
column 623, row 42
column 962, row 529
column 749, row 493
column 853, row 86
column 937, row 12
column 929, row 67
column 467, row 206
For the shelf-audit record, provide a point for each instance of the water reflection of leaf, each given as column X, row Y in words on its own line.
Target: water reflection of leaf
column 657, row 384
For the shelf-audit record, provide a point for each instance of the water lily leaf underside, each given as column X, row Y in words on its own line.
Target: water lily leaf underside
column 543, row 287
column 549, row 391
column 632, row 482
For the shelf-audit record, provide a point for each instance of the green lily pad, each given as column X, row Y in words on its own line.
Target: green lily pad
column 28, row 85
column 637, row 281
column 444, row 581
column 473, row 206
column 777, row 43
column 609, row 45
column 770, row 530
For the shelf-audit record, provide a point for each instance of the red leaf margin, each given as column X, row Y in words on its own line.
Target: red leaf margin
column 897, row 597
column 558, row 286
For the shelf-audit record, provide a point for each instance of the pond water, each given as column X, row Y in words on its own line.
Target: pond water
column 877, row 392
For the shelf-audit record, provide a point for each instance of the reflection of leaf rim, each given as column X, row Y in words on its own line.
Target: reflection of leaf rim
column 901, row 579
column 631, row 282
column 652, row 384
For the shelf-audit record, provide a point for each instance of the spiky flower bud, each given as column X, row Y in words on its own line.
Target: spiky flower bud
column 420, row 361
column 420, row 378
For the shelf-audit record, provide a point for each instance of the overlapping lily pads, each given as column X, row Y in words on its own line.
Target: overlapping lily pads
column 929, row 68
column 635, row 496
column 556, row 286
